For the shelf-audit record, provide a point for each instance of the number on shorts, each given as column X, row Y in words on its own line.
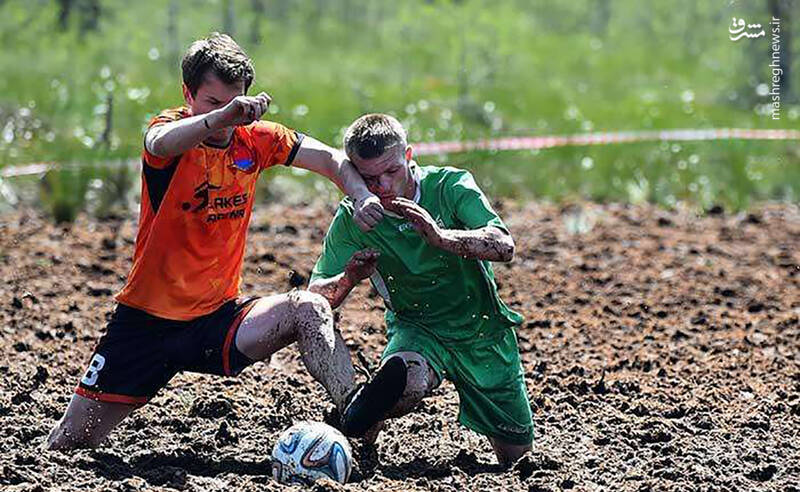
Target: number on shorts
column 97, row 363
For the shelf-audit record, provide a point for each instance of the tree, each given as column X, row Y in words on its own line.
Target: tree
column 89, row 12
column 255, row 24
column 229, row 18
column 600, row 17
column 172, row 33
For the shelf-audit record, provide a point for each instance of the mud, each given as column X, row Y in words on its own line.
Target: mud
column 661, row 351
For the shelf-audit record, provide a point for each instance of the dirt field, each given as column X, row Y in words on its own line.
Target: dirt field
column 660, row 348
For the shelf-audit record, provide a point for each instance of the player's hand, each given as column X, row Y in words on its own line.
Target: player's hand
column 368, row 212
column 242, row 110
column 420, row 219
column 361, row 265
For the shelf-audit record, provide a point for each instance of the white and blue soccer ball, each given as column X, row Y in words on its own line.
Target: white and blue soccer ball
column 308, row 451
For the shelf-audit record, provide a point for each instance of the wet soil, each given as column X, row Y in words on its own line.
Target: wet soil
column 661, row 351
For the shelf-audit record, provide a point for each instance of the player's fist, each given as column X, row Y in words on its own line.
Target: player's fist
column 361, row 265
column 243, row 110
column 368, row 212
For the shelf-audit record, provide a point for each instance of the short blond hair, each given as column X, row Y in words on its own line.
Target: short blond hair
column 372, row 134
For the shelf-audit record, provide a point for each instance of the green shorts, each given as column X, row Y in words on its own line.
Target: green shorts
column 487, row 374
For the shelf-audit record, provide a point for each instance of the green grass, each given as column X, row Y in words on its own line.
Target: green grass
column 733, row 173
column 448, row 70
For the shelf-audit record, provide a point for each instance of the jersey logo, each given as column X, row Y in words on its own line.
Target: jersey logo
column 243, row 158
column 201, row 193
column 222, row 205
column 407, row 225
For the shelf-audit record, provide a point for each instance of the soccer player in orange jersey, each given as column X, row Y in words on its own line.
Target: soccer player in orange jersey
column 180, row 308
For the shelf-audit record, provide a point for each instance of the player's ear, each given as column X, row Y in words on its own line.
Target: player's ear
column 187, row 95
column 409, row 153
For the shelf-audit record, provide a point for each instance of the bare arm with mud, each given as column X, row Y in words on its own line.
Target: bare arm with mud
column 335, row 289
column 334, row 165
column 487, row 243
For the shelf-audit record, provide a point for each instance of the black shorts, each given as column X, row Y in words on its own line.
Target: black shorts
column 140, row 353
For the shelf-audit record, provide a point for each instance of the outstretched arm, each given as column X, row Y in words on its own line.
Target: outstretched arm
column 487, row 243
column 176, row 137
column 335, row 289
column 333, row 164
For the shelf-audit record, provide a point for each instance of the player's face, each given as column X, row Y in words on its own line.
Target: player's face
column 388, row 176
column 213, row 94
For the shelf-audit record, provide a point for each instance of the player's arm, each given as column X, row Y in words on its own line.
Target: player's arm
column 333, row 164
column 486, row 243
column 335, row 289
column 176, row 137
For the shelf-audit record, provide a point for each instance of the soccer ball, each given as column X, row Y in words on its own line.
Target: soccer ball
column 308, row 451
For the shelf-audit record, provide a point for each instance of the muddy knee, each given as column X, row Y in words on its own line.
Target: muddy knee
column 311, row 321
column 309, row 308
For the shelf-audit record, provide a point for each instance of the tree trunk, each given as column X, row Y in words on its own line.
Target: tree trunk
column 255, row 25
column 172, row 33
column 601, row 17
column 64, row 10
column 89, row 12
column 105, row 137
column 229, row 18
column 90, row 15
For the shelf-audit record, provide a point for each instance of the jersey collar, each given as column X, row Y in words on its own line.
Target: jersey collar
column 415, row 173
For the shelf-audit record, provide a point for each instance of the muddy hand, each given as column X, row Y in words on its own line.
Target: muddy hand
column 368, row 212
column 361, row 265
column 420, row 219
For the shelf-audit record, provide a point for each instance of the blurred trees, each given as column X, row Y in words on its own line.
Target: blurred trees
column 450, row 70
column 87, row 11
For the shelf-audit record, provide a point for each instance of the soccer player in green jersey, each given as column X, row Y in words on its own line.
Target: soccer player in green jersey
column 430, row 260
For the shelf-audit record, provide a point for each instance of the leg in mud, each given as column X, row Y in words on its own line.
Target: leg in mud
column 306, row 318
column 395, row 389
column 86, row 423
column 421, row 379
column 507, row 453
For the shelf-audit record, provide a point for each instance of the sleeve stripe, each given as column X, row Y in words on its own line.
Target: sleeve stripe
column 295, row 148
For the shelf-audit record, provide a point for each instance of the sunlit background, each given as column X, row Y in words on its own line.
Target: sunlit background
column 80, row 79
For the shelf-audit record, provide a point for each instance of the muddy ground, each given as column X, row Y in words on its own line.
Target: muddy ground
column 661, row 351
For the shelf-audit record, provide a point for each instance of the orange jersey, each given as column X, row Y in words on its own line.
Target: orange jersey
column 193, row 219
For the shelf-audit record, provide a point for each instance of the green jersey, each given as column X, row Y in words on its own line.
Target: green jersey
column 450, row 297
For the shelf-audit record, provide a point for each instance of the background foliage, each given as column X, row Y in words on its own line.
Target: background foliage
column 82, row 77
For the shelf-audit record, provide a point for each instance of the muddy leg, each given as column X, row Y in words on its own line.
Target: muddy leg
column 421, row 380
column 306, row 318
column 507, row 454
column 86, row 423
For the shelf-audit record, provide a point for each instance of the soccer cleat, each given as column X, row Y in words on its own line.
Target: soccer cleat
column 369, row 403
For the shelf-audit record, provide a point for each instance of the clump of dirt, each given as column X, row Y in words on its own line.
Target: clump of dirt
column 660, row 352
